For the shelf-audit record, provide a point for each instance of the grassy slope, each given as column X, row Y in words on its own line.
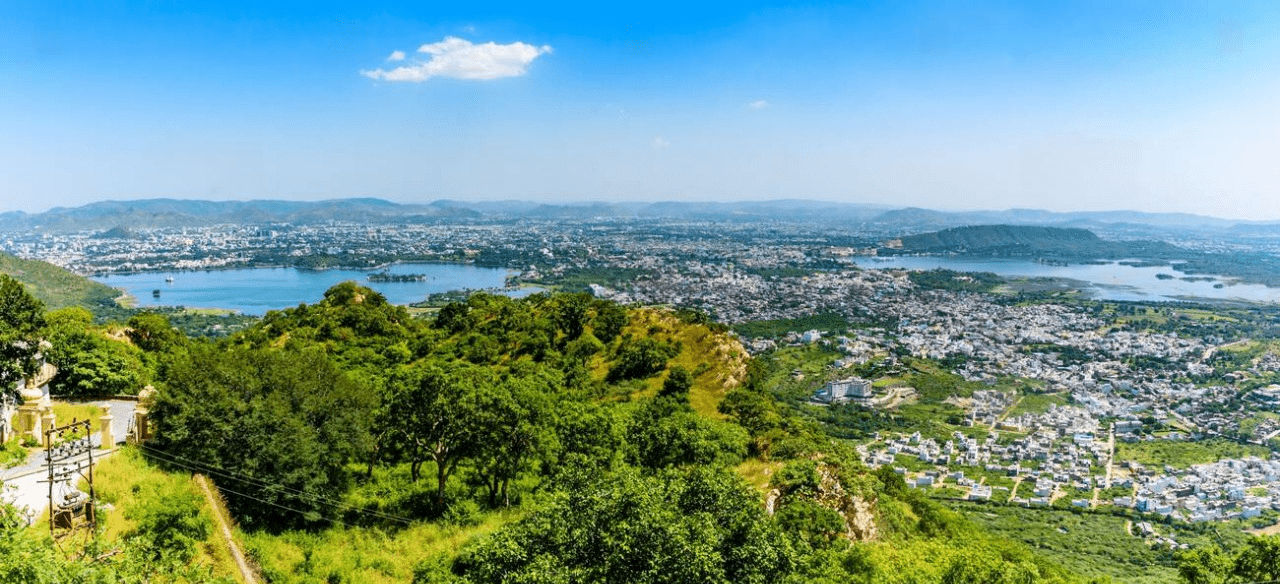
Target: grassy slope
column 384, row 556
column 120, row 478
column 56, row 287
column 365, row 555
column 377, row 556
column 719, row 362
column 1094, row 544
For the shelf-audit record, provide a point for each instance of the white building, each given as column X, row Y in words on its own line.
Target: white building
column 843, row 390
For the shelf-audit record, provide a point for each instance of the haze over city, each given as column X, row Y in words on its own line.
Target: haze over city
column 1166, row 107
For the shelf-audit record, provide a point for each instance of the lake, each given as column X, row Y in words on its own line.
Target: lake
column 257, row 290
column 1108, row 281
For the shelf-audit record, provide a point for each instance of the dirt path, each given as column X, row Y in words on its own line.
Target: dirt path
column 1005, row 413
column 1013, row 492
column 1268, row 530
column 1111, row 458
column 246, row 573
column 1111, row 453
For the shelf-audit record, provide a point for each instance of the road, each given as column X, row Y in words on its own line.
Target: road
column 1111, row 458
column 22, row 484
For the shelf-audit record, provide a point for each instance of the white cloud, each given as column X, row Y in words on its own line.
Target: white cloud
column 758, row 104
column 396, row 56
column 660, row 143
column 462, row 59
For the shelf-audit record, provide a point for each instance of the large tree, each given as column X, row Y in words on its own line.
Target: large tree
column 21, row 320
column 700, row 526
column 276, row 427
column 1259, row 561
column 515, row 429
column 152, row 333
column 665, row 432
column 435, row 412
column 610, row 319
column 89, row 363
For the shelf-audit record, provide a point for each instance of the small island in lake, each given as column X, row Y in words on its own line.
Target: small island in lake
column 389, row 277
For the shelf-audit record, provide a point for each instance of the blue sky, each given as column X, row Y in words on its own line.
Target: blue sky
column 1149, row 105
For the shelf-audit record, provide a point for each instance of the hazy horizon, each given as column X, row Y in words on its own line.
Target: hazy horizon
column 587, row 202
column 1155, row 107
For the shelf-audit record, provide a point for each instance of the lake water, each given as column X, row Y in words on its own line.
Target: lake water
column 257, row 290
column 1109, row 281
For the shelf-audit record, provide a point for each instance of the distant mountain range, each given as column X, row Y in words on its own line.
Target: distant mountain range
column 158, row 213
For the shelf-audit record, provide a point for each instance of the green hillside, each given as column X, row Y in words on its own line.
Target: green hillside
column 553, row 438
column 604, row 443
column 57, row 287
column 1029, row 240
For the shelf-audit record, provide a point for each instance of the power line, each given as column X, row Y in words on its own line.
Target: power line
column 247, row 496
column 212, row 469
column 285, row 507
column 245, row 478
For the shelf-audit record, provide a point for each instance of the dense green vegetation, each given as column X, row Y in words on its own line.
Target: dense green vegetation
column 778, row 328
column 90, row 362
column 351, row 414
column 21, row 319
column 578, row 279
column 942, row 279
column 555, row 438
column 290, row 417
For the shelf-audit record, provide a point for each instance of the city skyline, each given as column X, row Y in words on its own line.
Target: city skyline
column 1158, row 107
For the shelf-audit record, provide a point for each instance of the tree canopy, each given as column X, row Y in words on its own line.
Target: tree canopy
column 577, row 411
column 89, row 363
column 21, row 320
column 280, row 424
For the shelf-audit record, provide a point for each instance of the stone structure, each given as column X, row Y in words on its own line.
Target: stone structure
column 141, row 430
column 108, row 433
column 36, row 412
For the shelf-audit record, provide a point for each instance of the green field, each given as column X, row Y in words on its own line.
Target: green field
column 1094, row 544
column 1182, row 454
column 1038, row 403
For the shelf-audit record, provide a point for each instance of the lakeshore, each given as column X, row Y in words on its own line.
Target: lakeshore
column 256, row 290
